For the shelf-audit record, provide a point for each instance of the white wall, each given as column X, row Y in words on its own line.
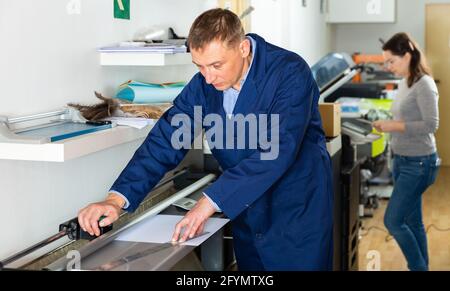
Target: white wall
column 364, row 37
column 48, row 58
column 288, row 24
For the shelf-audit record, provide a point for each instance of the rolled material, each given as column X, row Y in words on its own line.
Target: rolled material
column 144, row 93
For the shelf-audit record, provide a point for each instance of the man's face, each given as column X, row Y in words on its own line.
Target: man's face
column 222, row 66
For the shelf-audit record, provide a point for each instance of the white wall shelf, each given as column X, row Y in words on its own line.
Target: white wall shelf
column 72, row 148
column 144, row 59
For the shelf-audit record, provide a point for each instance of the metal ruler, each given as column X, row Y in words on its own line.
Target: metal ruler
column 139, row 255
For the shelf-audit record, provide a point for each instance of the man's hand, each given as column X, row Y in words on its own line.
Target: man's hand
column 389, row 126
column 110, row 208
column 194, row 221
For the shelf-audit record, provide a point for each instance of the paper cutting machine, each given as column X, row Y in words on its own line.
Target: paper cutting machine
column 48, row 127
column 107, row 253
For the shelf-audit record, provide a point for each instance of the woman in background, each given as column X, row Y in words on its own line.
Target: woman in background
column 416, row 162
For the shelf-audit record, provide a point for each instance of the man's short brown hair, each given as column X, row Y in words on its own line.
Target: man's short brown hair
column 216, row 24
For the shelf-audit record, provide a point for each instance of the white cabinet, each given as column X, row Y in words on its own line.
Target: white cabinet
column 361, row 11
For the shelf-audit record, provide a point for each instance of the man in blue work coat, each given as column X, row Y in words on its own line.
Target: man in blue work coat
column 280, row 207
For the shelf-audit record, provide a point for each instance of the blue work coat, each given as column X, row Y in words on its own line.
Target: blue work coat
column 281, row 209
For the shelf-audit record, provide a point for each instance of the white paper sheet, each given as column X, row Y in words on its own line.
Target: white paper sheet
column 160, row 228
column 138, row 123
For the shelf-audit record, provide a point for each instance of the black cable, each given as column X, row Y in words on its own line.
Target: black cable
column 437, row 228
column 389, row 236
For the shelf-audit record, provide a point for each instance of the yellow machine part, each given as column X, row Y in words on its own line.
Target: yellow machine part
column 379, row 146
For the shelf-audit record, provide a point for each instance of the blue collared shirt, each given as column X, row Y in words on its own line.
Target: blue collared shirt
column 230, row 97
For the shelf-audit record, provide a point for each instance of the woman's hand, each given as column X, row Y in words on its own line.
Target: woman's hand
column 389, row 126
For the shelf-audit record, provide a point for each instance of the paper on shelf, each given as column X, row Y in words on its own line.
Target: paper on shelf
column 138, row 123
column 147, row 48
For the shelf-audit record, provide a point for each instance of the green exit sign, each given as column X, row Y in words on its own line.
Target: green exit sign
column 122, row 9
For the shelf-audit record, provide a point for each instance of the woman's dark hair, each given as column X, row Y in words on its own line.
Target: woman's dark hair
column 402, row 43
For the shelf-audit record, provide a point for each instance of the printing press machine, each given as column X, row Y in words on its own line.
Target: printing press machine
column 333, row 72
column 106, row 253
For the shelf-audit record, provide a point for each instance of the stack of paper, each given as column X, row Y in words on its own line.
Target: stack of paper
column 138, row 123
column 147, row 48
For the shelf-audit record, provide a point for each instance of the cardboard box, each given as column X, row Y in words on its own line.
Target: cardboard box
column 331, row 118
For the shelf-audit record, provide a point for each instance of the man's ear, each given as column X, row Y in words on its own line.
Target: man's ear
column 244, row 48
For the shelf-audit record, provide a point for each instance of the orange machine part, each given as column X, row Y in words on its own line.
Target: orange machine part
column 365, row 59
